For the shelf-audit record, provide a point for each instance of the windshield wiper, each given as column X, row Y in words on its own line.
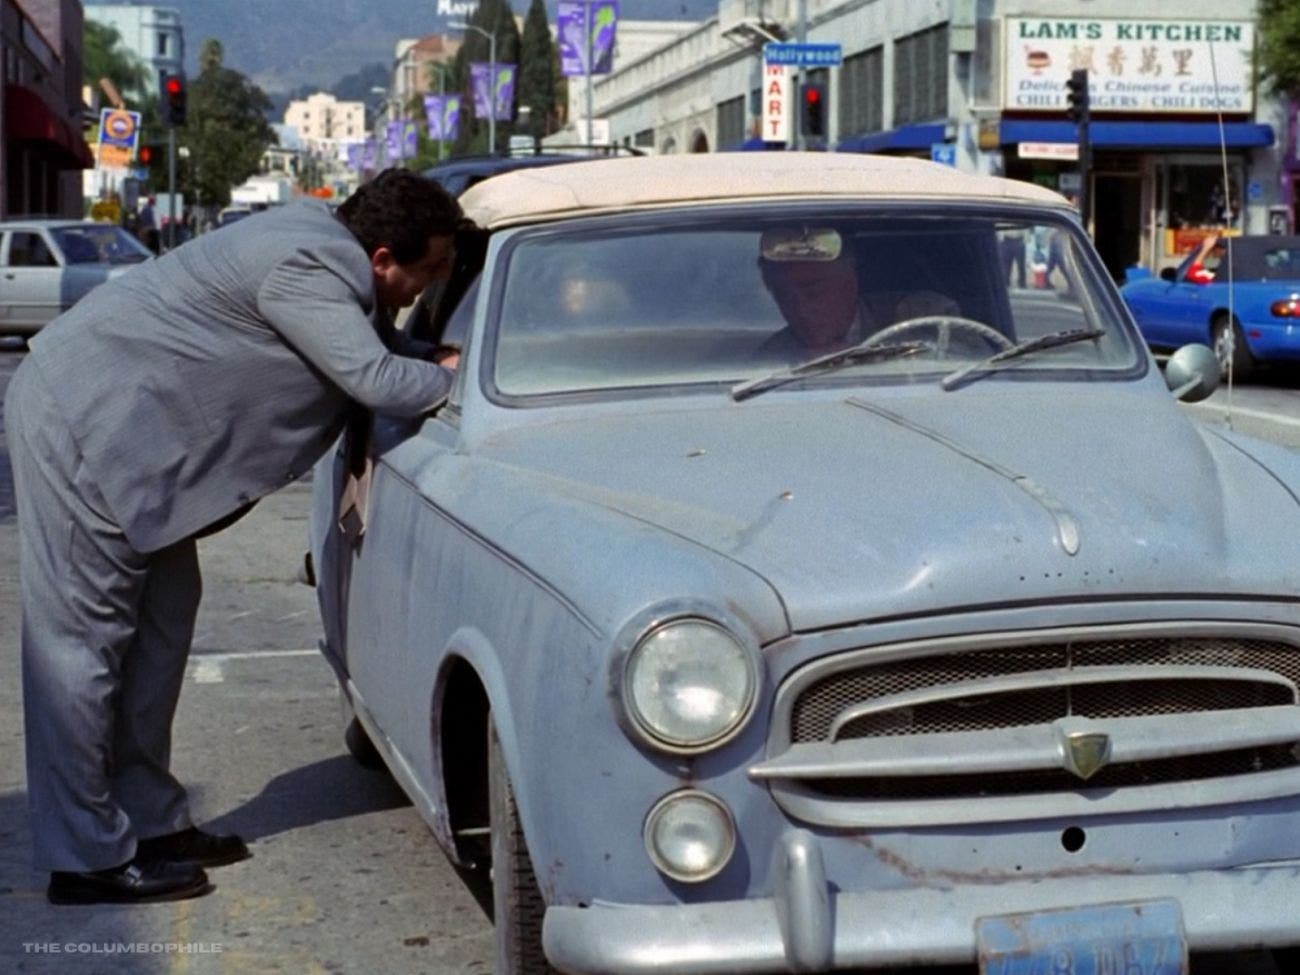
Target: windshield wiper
column 995, row 362
column 862, row 352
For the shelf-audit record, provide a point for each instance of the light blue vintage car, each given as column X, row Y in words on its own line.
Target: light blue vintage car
column 783, row 589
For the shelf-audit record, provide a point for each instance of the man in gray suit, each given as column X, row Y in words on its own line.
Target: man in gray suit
column 162, row 405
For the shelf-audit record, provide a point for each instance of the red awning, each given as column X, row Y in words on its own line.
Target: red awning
column 29, row 119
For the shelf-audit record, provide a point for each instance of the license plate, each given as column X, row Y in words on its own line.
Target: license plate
column 1107, row 939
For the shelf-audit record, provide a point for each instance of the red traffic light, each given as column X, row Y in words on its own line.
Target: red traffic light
column 173, row 100
column 145, row 155
column 812, row 95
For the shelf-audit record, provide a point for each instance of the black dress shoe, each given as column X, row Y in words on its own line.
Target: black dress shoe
column 138, row 881
column 196, row 846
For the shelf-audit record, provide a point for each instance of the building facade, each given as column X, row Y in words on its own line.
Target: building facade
column 153, row 34
column 324, row 123
column 42, row 150
column 981, row 84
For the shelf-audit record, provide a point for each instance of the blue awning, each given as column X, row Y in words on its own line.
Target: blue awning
column 1141, row 135
column 905, row 137
column 754, row 144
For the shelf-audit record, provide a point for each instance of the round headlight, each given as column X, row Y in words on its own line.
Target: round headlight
column 689, row 684
column 690, row 836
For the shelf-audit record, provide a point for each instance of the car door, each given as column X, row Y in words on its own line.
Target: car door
column 33, row 280
column 1172, row 313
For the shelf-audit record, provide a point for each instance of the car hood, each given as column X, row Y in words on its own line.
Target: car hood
column 861, row 508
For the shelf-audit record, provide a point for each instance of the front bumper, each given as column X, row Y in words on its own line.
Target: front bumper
column 804, row 927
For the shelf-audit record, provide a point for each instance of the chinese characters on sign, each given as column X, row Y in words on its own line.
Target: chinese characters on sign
column 1193, row 66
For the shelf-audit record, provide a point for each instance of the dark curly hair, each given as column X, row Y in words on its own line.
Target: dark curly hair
column 400, row 210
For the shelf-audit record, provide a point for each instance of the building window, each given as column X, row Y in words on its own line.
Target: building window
column 163, row 44
column 921, row 76
column 731, row 122
column 861, row 96
column 645, row 139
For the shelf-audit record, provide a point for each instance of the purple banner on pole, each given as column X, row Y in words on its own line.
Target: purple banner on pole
column 393, row 141
column 493, row 88
column 355, row 149
column 451, row 117
column 583, row 26
column 433, row 115
column 369, row 154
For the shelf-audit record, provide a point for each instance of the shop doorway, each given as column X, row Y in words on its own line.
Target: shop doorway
column 1117, row 220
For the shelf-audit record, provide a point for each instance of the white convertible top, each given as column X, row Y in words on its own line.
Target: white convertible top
column 596, row 185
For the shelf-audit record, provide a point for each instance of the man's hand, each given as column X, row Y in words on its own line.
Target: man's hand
column 447, row 356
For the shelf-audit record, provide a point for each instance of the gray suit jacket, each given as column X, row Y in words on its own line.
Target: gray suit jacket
column 199, row 382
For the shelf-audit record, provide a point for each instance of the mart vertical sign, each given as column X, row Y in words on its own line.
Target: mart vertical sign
column 776, row 103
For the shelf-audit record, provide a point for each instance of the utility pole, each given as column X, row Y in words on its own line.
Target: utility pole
column 796, row 94
column 586, row 27
column 1079, row 107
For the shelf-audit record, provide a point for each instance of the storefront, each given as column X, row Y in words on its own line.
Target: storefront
column 1176, row 149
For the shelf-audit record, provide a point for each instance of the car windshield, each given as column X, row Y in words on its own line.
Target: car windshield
column 99, row 244
column 640, row 303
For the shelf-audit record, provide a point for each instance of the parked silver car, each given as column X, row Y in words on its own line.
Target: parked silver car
column 785, row 587
column 48, row 265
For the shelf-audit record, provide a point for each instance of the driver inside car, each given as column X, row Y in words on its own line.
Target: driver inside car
column 811, row 276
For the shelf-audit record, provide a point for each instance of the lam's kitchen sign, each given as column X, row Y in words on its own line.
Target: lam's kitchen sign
column 1176, row 66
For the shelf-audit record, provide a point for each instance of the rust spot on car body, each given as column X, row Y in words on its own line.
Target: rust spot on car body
column 924, row 876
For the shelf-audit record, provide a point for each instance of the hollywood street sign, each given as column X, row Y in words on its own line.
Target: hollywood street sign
column 803, row 55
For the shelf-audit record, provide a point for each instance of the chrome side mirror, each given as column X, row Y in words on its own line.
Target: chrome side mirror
column 1192, row 373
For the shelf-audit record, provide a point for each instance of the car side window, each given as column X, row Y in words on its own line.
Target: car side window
column 27, row 249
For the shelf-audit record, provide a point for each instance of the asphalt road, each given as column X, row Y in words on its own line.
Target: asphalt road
column 345, row 877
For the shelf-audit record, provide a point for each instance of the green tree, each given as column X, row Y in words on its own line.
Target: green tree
column 1278, row 53
column 497, row 18
column 539, row 73
column 103, row 56
column 226, row 129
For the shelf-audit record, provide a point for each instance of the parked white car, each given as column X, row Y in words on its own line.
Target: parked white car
column 48, row 265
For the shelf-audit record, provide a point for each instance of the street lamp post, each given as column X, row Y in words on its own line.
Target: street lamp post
column 492, row 79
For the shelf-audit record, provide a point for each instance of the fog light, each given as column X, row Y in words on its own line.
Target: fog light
column 690, row 836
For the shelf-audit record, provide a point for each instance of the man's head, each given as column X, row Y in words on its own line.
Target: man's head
column 813, row 282
column 407, row 225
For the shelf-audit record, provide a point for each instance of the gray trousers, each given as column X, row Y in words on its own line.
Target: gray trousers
column 106, row 632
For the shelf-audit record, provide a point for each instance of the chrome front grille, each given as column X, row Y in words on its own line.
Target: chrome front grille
column 821, row 704
column 994, row 726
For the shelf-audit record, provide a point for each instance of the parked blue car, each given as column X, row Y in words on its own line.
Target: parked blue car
column 709, row 650
column 1250, row 310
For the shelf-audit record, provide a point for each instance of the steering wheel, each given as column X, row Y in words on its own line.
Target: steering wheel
column 944, row 326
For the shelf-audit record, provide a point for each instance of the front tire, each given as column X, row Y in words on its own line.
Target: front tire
column 517, row 904
column 1226, row 334
column 360, row 746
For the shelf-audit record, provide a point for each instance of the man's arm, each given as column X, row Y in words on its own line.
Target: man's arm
column 320, row 314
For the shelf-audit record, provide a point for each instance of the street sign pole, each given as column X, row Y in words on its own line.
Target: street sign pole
column 171, row 187
column 796, row 92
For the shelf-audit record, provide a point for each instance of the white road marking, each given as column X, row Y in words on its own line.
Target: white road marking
column 209, row 668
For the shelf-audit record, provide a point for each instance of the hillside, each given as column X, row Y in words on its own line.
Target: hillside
column 285, row 44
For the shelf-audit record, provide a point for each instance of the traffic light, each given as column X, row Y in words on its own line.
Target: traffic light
column 173, row 100
column 145, row 155
column 812, row 119
column 1077, row 94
